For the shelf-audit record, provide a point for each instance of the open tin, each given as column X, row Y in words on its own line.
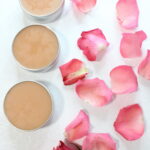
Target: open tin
column 48, row 65
column 8, row 104
column 46, row 17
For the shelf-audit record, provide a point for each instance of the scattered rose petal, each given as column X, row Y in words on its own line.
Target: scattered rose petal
column 94, row 91
column 123, row 80
column 130, row 122
column 144, row 67
column 73, row 71
column 62, row 146
column 92, row 43
column 84, row 5
column 78, row 128
column 130, row 46
column 127, row 13
column 66, row 146
column 99, row 141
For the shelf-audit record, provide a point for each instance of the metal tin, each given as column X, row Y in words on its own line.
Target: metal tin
column 44, row 18
column 52, row 102
column 45, row 68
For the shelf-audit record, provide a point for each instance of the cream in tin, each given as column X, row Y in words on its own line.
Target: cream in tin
column 28, row 105
column 41, row 10
column 36, row 47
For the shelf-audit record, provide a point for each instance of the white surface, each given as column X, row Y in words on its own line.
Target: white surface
column 69, row 27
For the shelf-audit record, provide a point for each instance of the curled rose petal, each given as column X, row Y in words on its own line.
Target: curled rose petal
column 130, row 46
column 66, row 146
column 92, row 43
column 84, row 5
column 78, row 128
column 99, row 141
column 73, row 71
column 94, row 91
column 144, row 67
column 127, row 13
column 123, row 80
column 130, row 122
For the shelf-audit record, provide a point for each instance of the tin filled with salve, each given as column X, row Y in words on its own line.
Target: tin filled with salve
column 28, row 105
column 42, row 10
column 36, row 48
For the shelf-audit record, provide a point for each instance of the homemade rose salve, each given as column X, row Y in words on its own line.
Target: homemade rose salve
column 28, row 105
column 41, row 7
column 36, row 47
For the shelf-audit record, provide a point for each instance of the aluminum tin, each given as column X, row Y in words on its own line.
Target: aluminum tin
column 49, row 66
column 44, row 18
column 52, row 102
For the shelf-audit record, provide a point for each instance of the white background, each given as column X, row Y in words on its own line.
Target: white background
column 67, row 104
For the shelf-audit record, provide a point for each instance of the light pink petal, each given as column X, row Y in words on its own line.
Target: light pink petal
column 123, row 80
column 127, row 13
column 94, row 91
column 99, row 141
column 73, row 71
column 78, row 128
column 66, row 146
column 130, row 46
column 84, row 5
column 92, row 43
column 130, row 122
column 144, row 67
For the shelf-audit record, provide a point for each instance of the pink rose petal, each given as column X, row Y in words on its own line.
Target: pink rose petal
column 94, row 91
column 66, row 146
column 84, row 5
column 123, row 80
column 73, row 71
column 99, row 141
column 62, row 146
column 127, row 13
column 92, row 43
column 130, row 46
column 144, row 67
column 78, row 128
column 130, row 122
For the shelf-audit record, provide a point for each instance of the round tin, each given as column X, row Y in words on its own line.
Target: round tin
column 52, row 103
column 45, row 68
column 52, row 16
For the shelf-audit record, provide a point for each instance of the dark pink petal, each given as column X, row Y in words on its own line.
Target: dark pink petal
column 144, row 67
column 73, row 71
column 84, row 5
column 94, row 91
column 78, row 128
column 66, row 146
column 130, row 46
column 99, row 141
column 127, row 13
column 130, row 122
column 92, row 43
column 123, row 80
column 62, row 146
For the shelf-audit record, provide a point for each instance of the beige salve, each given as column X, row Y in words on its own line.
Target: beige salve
column 28, row 105
column 41, row 7
column 35, row 47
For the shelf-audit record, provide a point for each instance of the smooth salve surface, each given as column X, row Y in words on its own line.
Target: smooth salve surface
column 28, row 105
column 41, row 7
column 35, row 47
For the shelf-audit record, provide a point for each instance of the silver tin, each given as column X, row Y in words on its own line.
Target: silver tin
column 52, row 102
column 43, row 69
column 44, row 18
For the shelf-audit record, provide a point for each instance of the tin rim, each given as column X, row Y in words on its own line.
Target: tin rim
column 42, row 68
column 44, row 15
column 52, row 103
